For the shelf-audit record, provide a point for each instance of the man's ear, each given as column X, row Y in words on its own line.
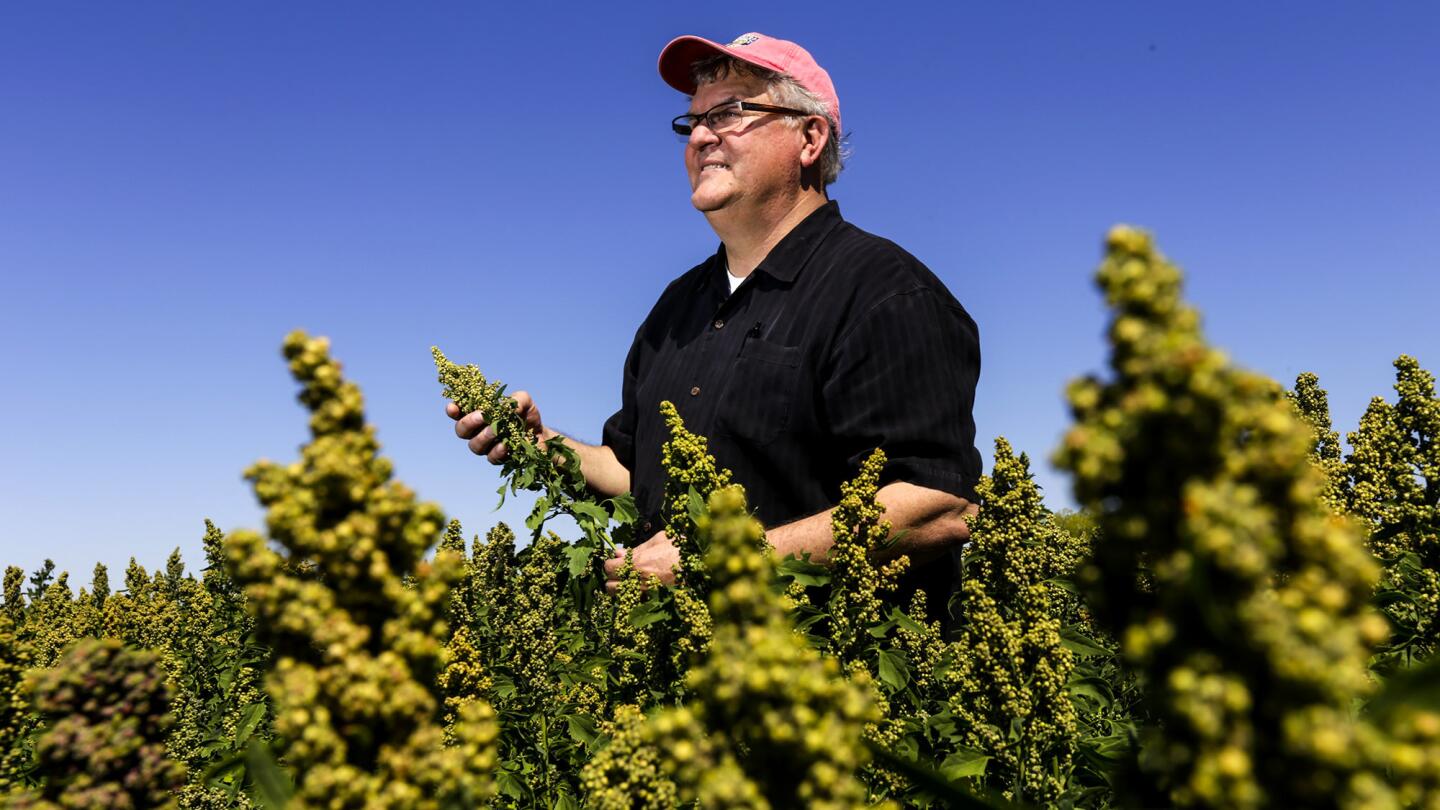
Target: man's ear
column 817, row 134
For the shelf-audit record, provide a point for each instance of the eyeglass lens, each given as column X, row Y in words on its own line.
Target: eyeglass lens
column 717, row 119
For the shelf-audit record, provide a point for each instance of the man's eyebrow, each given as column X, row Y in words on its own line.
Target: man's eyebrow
column 717, row 104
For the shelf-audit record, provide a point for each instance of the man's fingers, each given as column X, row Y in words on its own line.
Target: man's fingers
column 612, row 572
column 469, row 425
column 498, row 453
column 452, row 410
column 613, row 565
column 484, row 442
column 525, row 406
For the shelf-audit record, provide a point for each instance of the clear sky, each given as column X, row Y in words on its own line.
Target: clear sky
column 183, row 183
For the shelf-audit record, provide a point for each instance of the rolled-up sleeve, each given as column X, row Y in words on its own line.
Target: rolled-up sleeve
column 902, row 378
column 619, row 431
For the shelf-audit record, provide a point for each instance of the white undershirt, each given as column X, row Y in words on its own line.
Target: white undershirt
column 734, row 280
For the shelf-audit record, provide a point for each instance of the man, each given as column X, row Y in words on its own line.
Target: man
column 798, row 348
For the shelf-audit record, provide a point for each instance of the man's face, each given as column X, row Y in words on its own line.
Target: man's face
column 749, row 165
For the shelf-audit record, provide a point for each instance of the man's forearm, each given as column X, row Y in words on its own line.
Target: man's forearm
column 603, row 471
column 927, row 521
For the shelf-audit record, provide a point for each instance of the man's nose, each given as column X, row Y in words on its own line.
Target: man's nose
column 702, row 136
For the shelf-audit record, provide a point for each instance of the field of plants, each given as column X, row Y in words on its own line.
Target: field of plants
column 1241, row 615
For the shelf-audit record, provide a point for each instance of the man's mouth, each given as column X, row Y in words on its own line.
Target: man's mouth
column 709, row 166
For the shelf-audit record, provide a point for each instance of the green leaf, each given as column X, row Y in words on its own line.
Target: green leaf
column 509, row 785
column 582, row 729
column 951, row 793
column 273, row 787
column 1064, row 585
column 1096, row 689
column 622, row 509
column 903, row 619
column 907, row 748
column 894, row 669
column 942, row 724
column 804, row 572
column 965, row 762
column 1409, row 689
column 883, row 629
column 1080, row 644
column 591, row 510
column 565, row 801
column 697, row 505
column 647, row 613
column 254, row 713
column 579, row 558
column 226, row 770
column 503, row 686
column 537, row 515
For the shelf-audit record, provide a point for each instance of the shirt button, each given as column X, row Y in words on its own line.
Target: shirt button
column 695, row 392
column 719, row 323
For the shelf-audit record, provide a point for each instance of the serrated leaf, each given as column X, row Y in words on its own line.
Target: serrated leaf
column 907, row 748
column 254, row 713
column 894, row 669
column 806, row 573
column 646, row 614
column 579, row 558
column 904, row 620
column 582, row 729
column 502, row 686
column 623, row 510
column 964, row 763
column 590, row 510
column 882, row 629
column 509, row 785
column 537, row 515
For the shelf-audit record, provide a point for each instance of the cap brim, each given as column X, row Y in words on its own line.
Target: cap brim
column 682, row 52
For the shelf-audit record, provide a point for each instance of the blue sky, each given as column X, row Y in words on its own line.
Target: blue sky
column 183, row 183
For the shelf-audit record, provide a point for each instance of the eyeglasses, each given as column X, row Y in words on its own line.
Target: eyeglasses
column 725, row 117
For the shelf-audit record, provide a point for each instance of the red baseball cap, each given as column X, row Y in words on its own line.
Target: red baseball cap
column 757, row 49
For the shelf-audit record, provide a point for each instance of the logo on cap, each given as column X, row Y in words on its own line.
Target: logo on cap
column 744, row 39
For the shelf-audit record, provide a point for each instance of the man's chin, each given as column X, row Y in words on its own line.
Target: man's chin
column 706, row 204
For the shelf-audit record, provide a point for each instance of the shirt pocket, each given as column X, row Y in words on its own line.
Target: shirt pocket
column 761, row 392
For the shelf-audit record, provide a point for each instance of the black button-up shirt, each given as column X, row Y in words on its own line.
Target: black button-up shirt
column 838, row 343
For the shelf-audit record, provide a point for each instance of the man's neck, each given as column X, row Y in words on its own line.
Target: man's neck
column 749, row 236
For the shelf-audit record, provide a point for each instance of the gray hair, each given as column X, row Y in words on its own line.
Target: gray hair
column 785, row 92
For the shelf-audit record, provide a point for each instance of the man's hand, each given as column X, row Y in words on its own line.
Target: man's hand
column 656, row 557
column 480, row 435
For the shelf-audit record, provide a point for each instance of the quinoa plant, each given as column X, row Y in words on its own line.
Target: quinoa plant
column 1238, row 595
column 1313, row 404
column 105, row 709
column 355, row 616
column 1012, row 668
column 1394, row 487
column 771, row 723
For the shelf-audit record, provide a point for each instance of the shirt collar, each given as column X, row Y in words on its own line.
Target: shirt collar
column 794, row 249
